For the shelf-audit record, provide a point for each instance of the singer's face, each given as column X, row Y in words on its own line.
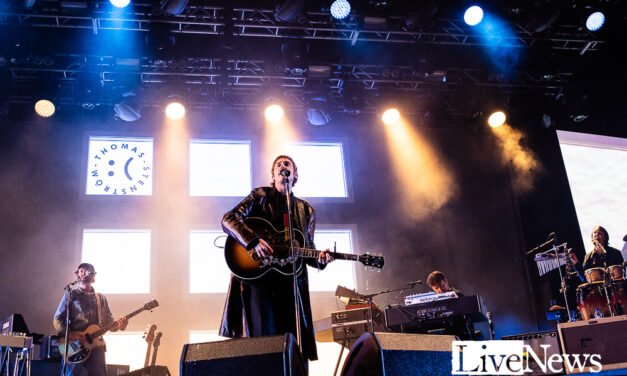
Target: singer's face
column 598, row 235
column 276, row 173
column 84, row 275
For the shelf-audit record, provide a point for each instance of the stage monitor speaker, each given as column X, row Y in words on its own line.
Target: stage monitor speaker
column 604, row 336
column 46, row 367
column 49, row 348
column 117, row 369
column 272, row 355
column 14, row 324
column 535, row 340
column 399, row 354
column 150, row 371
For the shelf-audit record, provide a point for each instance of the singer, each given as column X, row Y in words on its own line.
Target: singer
column 602, row 255
column 265, row 306
column 87, row 307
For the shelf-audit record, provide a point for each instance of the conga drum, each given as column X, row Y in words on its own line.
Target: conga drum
column 590, row 297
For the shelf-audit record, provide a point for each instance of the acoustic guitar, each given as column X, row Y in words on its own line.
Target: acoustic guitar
column 80, row 352
column 245, row 265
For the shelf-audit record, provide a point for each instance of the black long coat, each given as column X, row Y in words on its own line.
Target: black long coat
column 266, row 306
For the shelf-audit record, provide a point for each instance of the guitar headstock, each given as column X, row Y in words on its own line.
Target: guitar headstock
column 372, row 260
column 149, row 334
column 151, row 305
column 157, row 340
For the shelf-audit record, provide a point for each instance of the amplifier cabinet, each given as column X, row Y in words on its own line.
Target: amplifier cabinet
column 350, row 324
column 535, row 341
column 603, row 336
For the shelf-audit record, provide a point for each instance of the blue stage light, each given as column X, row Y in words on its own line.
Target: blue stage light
column 595, row 21
column 340, row 9
column 473, row 15
column 120, row 3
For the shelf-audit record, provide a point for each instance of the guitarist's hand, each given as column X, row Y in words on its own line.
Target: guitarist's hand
column 122, row 323
column 77, row 336
column 262, row 249
column 325, row 257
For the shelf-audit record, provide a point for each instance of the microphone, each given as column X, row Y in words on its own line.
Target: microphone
column 598, row 244
column 413, row 283
column 69, row 285
column 285, row 172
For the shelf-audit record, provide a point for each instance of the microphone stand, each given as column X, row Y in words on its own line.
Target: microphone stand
column 288, row 194
column 68, row 296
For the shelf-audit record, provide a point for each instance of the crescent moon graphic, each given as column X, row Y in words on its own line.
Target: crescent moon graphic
column 126, row 168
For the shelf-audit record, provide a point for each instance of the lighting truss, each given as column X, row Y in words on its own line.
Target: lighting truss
column 260, row 23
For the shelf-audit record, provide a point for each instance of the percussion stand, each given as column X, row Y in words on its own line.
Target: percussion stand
column 564, row 288
column 605, row 278
column 607, row 295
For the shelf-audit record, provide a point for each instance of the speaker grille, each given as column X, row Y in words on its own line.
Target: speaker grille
column 234, row 348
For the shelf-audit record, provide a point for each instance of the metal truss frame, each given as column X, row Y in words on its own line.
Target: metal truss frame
column 260, row 23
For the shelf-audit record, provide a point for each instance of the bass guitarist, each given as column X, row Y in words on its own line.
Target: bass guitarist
column 87, row 307
column 265, row 306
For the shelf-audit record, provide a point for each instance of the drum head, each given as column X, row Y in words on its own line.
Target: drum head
column 595, row 275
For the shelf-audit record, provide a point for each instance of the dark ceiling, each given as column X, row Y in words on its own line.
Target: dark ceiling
column 235, row 54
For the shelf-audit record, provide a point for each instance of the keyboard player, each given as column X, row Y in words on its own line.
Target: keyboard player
column 439, row 283
column 459, row 326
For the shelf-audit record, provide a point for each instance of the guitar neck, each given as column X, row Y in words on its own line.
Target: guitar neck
column 113, row 324
column 147, row 355
column 314, row 253
column 154, row 357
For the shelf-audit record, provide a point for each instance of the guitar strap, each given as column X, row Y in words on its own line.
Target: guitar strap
column 99, row 309
column 300, row 208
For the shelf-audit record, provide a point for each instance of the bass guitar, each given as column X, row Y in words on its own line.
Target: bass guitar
column 79, row 351
column 150, row 338
column 245, row 265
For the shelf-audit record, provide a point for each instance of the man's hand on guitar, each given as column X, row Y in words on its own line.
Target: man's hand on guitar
column 262, row 249
column 122, row 323
column 325, row 257
column 77, row 336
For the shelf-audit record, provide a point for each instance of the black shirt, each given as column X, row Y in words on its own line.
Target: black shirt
column 603, row 260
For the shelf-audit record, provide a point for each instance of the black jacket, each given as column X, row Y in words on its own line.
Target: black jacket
column 248, row 303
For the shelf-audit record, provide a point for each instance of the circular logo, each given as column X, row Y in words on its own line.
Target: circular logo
column 119, row 166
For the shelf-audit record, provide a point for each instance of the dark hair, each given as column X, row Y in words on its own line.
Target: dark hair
column 435, row 277
column 604, row 231
column 88, row 266
column 293, row 163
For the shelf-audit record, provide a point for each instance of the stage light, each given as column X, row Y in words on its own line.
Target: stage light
column 44, row 108
column 496, row 119
column 128, row 109
column 120, row 3
column 175, row 110
column 274, row 113
column 391, row 116
column 595, row 21
column 473, row 15
column 289, row 10
column 340, row 9
column 173, row 7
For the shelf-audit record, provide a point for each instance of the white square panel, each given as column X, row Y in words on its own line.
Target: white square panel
column 208, row 272
column 121, row 259
column 321, row 170
column 219, row 168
